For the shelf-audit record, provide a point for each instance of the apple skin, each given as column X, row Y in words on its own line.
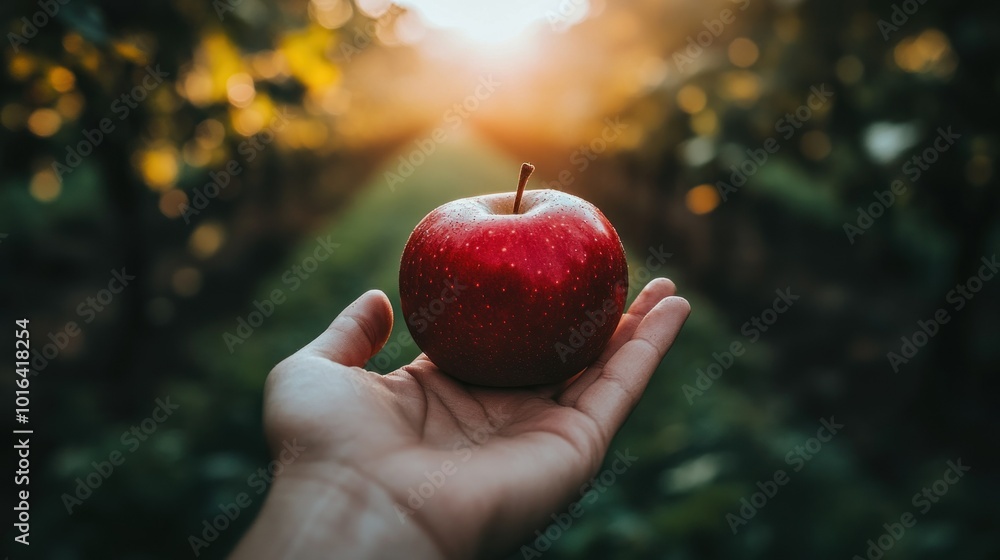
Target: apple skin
column 501, row 299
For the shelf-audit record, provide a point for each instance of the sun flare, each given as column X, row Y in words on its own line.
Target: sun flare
column 493, row 21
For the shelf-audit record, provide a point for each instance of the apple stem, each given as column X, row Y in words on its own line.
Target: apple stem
column 526, row 170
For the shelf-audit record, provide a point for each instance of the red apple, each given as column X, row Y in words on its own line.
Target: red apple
column 504, row 292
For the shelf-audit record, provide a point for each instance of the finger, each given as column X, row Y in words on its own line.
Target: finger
column 358, row 333
column 610, row 399
column 653, row 293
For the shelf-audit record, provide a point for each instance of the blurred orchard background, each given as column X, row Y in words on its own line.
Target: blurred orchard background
column 238, row 132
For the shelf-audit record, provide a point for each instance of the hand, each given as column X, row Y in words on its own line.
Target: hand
column 487, row 466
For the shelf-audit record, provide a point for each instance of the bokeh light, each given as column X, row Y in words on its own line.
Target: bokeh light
column 331, row 14
column 705, row 123
column 930, row 51
column 62, row 80
column 743, row 52
column 70, row 106
column 45, row 186
column 44, row 122
column 206, row 239
column 741, row 87
column 159, row 167
column 186, row 281
column 702, row 199
column 240, row 89
column 691, row 99
column 172, row 203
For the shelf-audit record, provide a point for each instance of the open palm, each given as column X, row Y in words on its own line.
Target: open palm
column 467, row 470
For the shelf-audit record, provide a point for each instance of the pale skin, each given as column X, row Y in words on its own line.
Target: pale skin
column 502, row 460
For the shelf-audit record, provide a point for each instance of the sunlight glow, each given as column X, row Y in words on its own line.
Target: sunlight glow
column 495, row 21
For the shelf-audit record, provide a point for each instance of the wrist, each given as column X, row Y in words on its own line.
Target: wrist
column 321, row 510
